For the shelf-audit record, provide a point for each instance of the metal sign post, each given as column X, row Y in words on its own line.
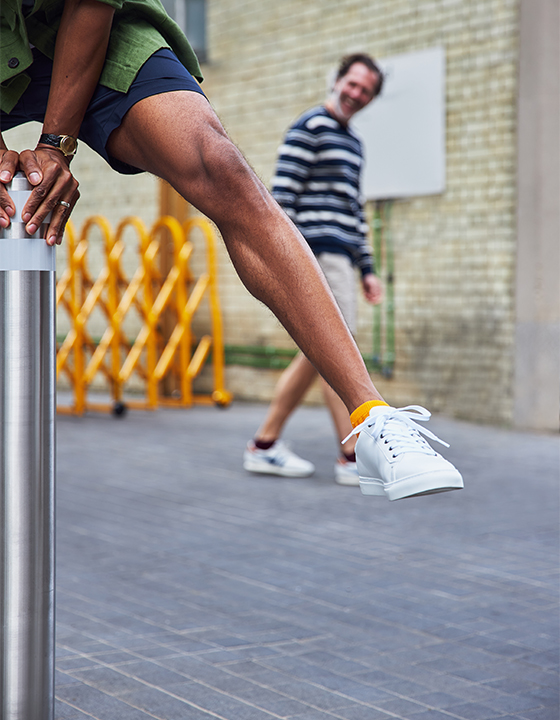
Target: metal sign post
column 27, row 447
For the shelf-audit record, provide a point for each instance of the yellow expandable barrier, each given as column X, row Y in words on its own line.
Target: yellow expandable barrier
column 157, row 298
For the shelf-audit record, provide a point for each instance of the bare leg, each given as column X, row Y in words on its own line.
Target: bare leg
column 290, row 389
column 178, row 137
column 340, row 416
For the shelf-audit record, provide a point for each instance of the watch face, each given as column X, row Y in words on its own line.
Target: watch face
column 68, row 145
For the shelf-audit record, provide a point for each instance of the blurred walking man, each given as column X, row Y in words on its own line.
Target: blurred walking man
column 317, row 183
column 119, row 75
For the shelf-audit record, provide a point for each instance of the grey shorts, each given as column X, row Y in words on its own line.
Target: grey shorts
column 341, row 277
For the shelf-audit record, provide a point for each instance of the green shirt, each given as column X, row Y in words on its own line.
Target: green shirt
column 140, row 27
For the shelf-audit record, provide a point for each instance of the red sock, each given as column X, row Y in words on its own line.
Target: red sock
column 263, row 445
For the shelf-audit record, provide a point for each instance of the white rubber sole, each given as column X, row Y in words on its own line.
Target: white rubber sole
column 346, row 481
column 265, row 469
column 426, row 484
column 371, row 486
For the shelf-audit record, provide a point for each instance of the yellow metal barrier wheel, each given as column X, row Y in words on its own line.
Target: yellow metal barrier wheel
column 222, row 398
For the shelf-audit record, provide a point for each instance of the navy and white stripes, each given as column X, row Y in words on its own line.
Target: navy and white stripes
column 317, row 182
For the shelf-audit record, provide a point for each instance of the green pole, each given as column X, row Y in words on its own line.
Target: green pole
column 377, row 231
column 389, row 359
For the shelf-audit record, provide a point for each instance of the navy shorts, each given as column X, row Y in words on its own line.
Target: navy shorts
column 161, row 73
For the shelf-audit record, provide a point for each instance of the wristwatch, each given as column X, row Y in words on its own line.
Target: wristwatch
column 67, row 144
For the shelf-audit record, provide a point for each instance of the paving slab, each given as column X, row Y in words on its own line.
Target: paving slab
column 188, row 589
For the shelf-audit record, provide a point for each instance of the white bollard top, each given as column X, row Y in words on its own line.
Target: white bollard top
column 18, row 250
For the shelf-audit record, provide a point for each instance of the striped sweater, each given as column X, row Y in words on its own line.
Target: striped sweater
column 317, row 182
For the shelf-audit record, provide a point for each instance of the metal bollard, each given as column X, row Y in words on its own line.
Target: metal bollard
column 27, row 456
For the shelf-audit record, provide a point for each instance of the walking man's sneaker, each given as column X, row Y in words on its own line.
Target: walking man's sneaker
column 277, row 460
column 395, row 460
column 346, row 473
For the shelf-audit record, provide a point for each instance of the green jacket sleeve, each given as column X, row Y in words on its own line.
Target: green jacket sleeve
column 140, row 28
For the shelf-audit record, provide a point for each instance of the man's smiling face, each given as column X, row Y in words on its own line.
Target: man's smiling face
column 352, row 92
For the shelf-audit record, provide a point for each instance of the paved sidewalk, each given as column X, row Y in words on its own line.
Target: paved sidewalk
column 191, row 590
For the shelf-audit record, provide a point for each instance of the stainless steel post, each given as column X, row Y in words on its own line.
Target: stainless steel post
column 27, row 445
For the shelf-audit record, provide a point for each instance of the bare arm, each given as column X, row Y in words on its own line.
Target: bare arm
column 80, row 51
column 81, row 46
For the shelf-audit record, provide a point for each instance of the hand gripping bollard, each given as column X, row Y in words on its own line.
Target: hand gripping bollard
column 27, row 427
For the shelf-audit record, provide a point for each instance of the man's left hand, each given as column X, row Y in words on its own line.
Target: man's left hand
column 373, row 289
column 55, row 190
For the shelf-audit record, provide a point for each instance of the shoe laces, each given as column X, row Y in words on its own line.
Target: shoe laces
column 398, row 428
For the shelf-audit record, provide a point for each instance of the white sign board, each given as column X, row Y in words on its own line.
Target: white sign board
column 404, row 128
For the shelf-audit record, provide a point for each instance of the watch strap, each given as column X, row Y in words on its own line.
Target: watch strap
column 50, row 139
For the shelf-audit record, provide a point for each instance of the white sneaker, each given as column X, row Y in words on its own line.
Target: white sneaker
column 394, row 459
column 277, row 460
column 346, row 473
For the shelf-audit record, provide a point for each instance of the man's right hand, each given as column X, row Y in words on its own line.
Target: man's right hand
column 47, row 170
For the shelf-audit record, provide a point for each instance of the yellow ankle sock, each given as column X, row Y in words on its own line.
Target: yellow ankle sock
column 361, row 412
